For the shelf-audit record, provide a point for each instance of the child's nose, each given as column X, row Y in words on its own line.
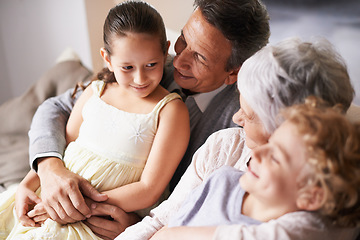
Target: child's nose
column 140, row 77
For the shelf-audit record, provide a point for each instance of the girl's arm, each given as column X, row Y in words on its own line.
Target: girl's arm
column 175, row 233
column 75, row 119
column 62, row 190
column 26, row 199
column 168, row 148
column 224, row 147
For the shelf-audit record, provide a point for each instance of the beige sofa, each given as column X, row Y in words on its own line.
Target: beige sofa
column 16, row 115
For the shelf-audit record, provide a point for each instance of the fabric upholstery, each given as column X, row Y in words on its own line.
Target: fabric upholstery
column 16, row 115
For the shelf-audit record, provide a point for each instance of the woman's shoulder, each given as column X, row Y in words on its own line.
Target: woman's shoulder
column 224, row 147
column 225, row 141
column 233, row 136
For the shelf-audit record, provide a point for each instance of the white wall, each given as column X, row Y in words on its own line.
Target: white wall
column 96, row 12
column 33, row 34
column 174, row 12
column 175, row 16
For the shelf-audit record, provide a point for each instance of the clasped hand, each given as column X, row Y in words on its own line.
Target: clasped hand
column 66, row 198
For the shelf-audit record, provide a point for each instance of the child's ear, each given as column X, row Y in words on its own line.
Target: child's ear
column 168, row 46
column 106, row 57
column 167, row 50
column 232, row 78
column 311, row 199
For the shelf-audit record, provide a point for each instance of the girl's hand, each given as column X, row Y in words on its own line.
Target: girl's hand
column 25, row 200
column 38, row 214
column 108, row 221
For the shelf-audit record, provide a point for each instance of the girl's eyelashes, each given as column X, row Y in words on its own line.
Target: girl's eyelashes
column 151, row 64
column 127, row 68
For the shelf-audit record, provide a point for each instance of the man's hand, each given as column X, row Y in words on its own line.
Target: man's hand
column 108, row 221
column 25, row 200
column 62, row 192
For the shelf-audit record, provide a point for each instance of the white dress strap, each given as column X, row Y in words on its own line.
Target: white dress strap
column 168, row 98
column 165, row 100
column 98, row 87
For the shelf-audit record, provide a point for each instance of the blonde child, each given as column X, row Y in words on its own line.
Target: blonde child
column 311, row 163
column 126, row 134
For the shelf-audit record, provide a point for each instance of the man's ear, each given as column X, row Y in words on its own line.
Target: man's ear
column 106, row 57
column 311, row 199
column 232, row 78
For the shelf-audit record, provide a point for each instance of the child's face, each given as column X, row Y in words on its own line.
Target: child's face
column 274, row 168
column 137, row 62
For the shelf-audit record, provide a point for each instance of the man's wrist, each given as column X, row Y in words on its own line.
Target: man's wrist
column 37, row 157
column 45, row 164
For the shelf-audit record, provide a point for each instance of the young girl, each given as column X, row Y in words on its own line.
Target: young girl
column 126, row 134
column 311, row 163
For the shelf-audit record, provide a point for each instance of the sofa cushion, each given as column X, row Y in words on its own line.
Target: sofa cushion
column 16, row 115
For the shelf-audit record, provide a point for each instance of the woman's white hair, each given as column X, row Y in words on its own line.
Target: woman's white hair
column 284, row 74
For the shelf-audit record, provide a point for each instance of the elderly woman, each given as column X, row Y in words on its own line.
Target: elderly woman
column 275, row 77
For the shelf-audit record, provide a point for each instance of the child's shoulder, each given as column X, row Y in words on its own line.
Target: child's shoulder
column 173, row 102
column 88, row 91
column 161, row 92
column 173, row 108
column 107, row 88
column 98, row 86
column 170, row 99
column 227, row 170
column 225, row 176
column 107, row 85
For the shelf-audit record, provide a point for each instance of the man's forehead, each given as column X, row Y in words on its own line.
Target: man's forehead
column 205, row 38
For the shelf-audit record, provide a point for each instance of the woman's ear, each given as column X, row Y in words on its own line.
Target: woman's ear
column 106, row 57
column 311, row 199
column 232, row 78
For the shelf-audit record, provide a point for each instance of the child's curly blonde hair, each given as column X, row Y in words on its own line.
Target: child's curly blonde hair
column 333, row 150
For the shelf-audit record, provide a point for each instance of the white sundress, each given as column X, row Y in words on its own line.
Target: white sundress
column 120, row 143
